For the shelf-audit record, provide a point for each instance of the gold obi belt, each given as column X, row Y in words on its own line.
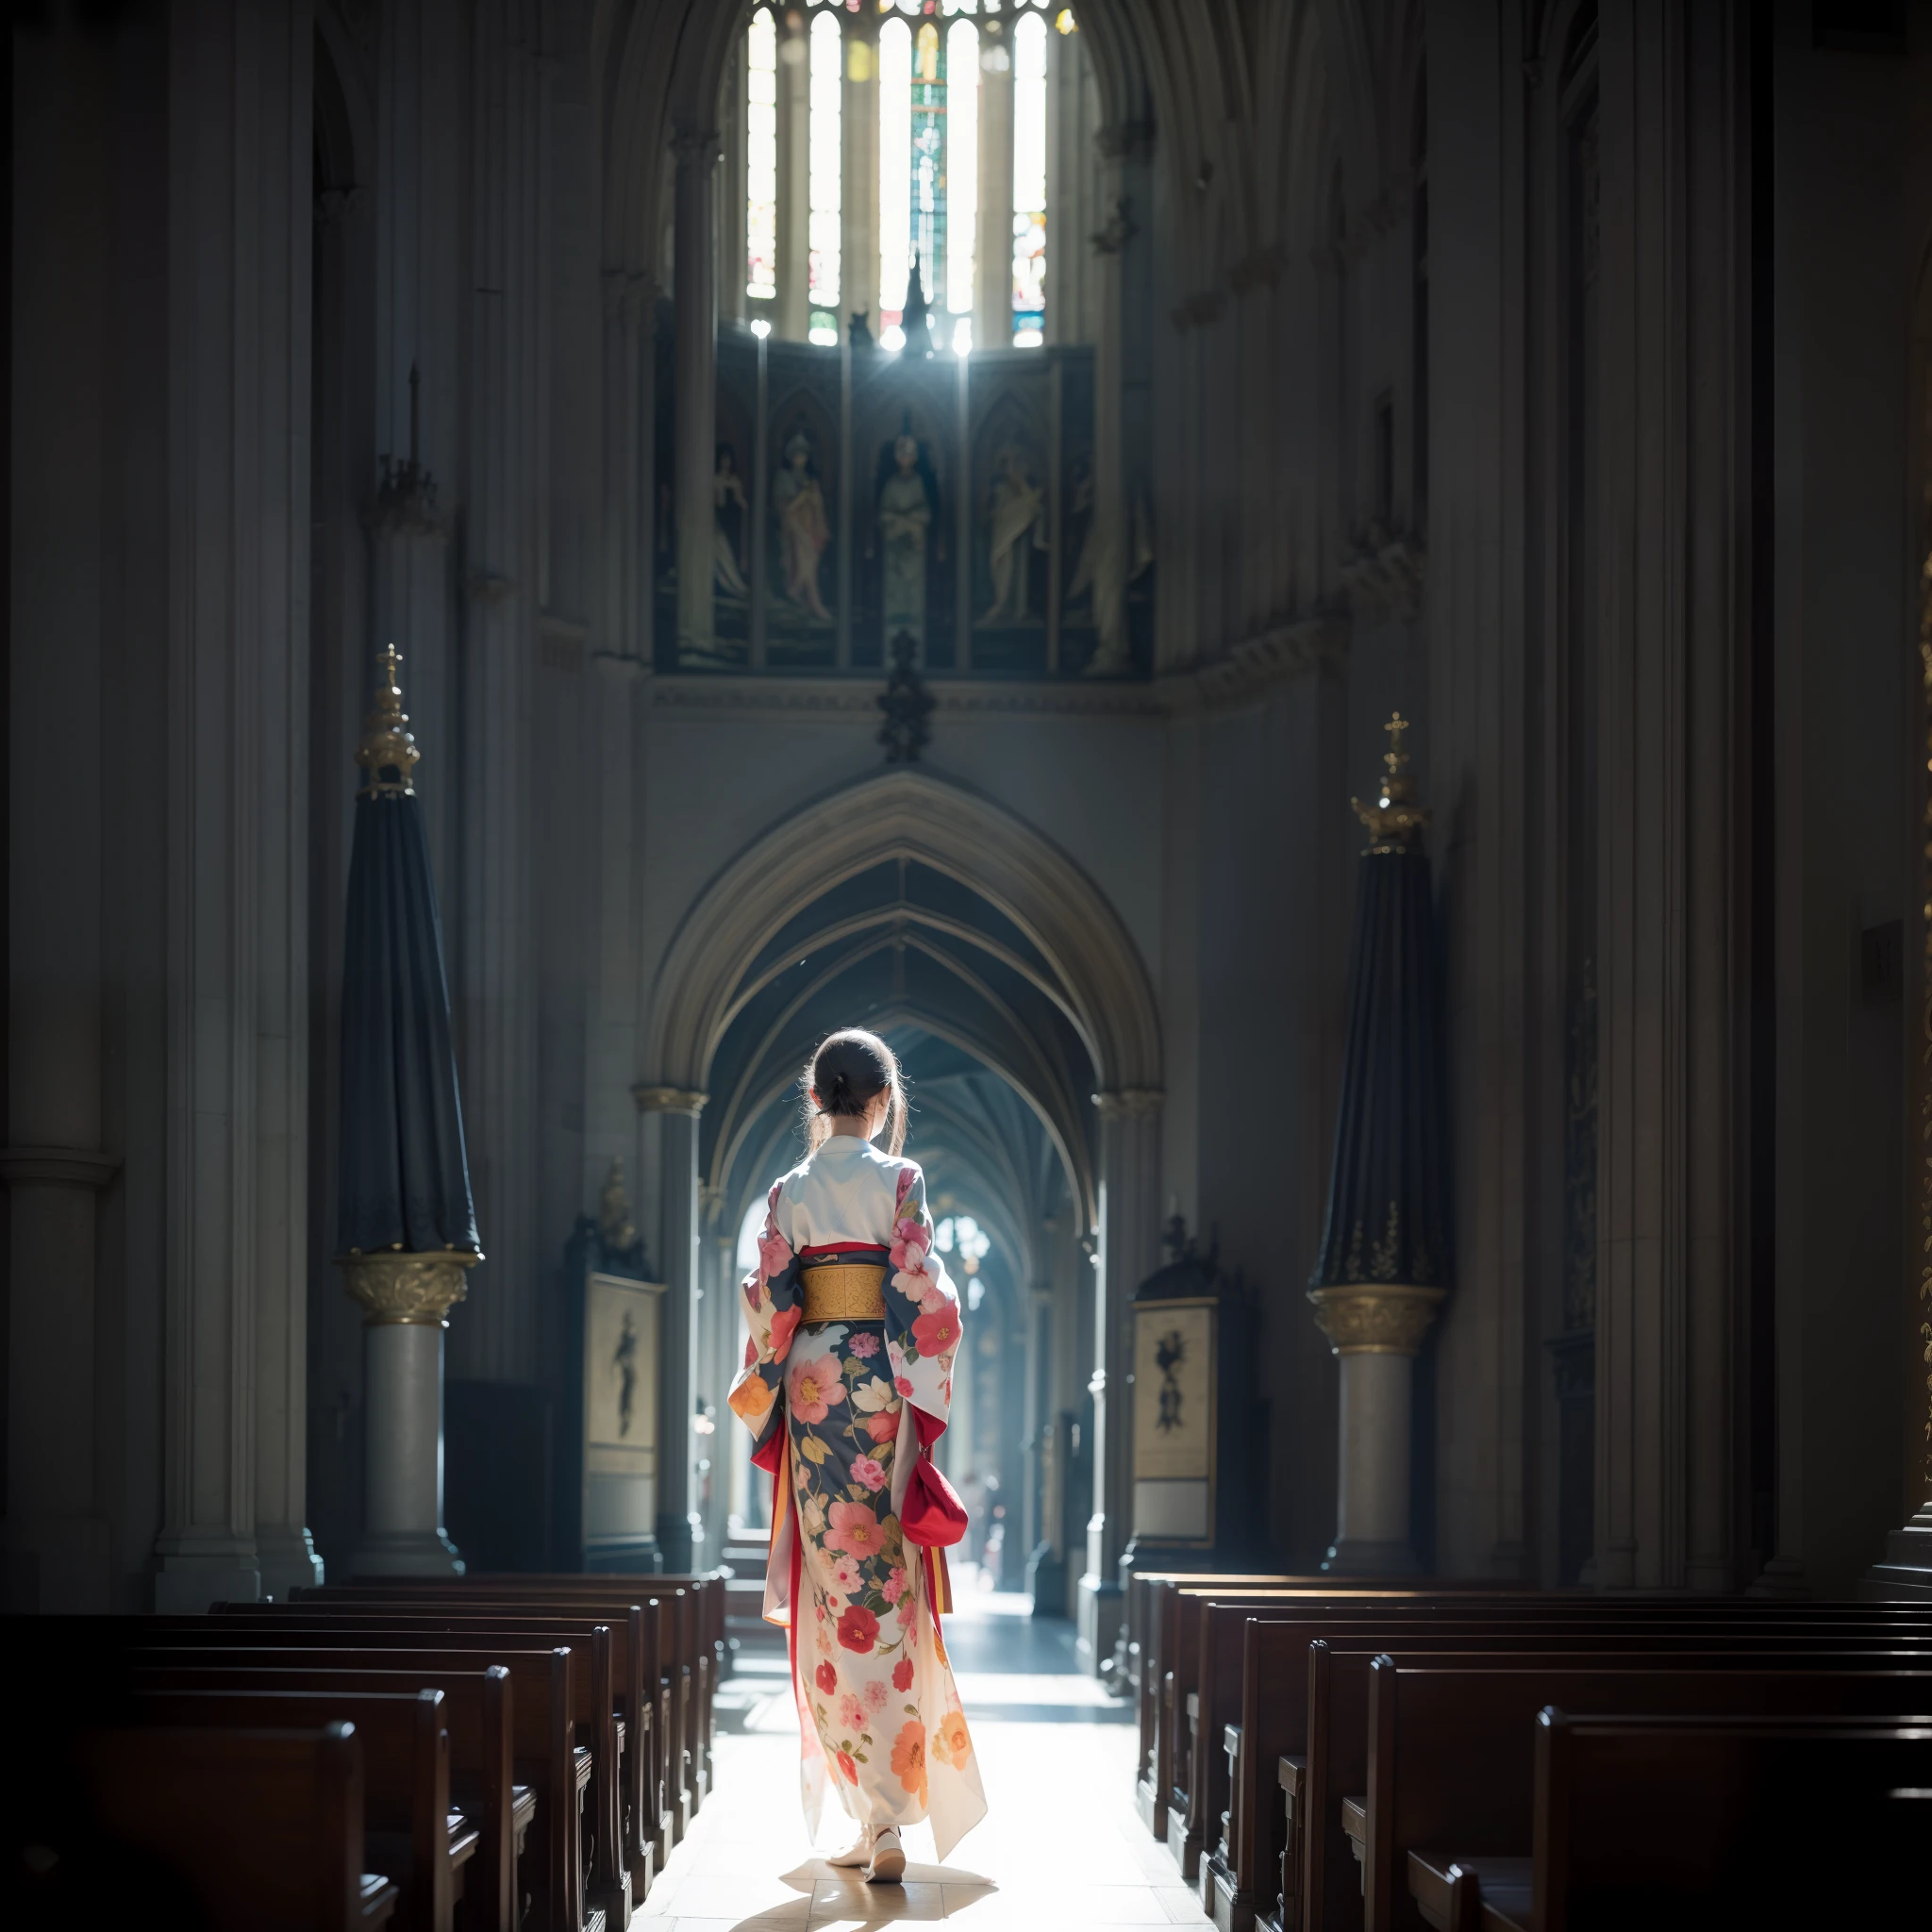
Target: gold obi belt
column 844, row 1291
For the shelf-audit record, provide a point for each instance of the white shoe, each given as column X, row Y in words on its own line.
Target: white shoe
column 888, row 1865
column 857, row 1853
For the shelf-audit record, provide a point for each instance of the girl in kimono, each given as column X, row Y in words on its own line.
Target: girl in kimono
column 847, row 1379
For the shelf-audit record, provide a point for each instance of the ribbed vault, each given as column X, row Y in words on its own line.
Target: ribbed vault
column 917, row 908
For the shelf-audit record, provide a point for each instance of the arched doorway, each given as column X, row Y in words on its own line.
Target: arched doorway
column 1017, row 1000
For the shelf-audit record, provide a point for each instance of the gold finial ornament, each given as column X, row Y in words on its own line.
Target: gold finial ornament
column 1396, row 822
column 388, row 743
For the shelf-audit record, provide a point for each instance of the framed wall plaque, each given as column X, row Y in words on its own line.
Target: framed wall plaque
column 1175, row 1419
column 623, row 1325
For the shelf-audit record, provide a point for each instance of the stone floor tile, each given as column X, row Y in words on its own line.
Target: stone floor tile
column 842, row 1901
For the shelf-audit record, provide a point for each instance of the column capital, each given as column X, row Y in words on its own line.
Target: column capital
column 696, row 146
column 1376, row 1318
column 409, row 1290
column 1130, row 1103
column 685, row 1100
column 627, row 296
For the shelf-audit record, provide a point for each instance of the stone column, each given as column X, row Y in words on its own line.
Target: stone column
column 1110, row 515
column 492, row 951
column 407, row 1299
column 1129, row 1244
column 993, row 255
column 58, row 1551
column 240, row 208
column 858, row 219
column 680, row 1531
column 1377, row 1332
column 697, row 387
column 793, row 312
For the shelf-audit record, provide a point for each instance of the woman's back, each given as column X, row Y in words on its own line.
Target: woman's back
column 846, row 1194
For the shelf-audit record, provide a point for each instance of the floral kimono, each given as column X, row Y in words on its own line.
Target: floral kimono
column 840, row 1410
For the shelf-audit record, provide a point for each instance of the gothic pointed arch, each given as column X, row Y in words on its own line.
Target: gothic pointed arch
column 1095, row 972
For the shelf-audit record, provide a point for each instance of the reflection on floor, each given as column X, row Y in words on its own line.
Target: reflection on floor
column 1060, row 1845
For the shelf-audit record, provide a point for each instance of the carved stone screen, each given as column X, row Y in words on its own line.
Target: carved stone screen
column 859, row 493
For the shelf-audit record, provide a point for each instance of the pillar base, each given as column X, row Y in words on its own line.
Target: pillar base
column 409, row 1553
column 187, row 1582
column 1097, row 1617
column 1046, row 1582
column 679, row 1540
column 1906, row 1574
column 1353, row 1556
column 288, row 1561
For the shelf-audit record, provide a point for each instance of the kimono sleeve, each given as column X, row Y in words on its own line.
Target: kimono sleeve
column 774, row 1305
column 922, row 1312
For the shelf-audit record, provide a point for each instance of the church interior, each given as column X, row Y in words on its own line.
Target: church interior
column 1320, row 611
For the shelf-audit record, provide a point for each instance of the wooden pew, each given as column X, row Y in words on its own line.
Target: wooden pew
column 1452, row 1754
column 692, row 1645
column 409, row 1830
column 478, row 1722
column 545, row 1686
column 1258, row 1874
column 638, row 1624
column 612, row 1649
column 1670, row 1822
column 1151, row 1599
column 1335, row 1773
column 708, row 1658
column 1176, row 1606
column 257, row 1827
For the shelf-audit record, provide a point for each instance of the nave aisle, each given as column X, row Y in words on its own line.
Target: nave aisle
column 1060, row 1846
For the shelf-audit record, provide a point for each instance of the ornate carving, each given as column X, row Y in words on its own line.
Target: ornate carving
column 1130, row 1103
column 1395, row 820
column 414, row 1290
column 1376, row 1318
column 670, row 1100
column 616, row 1229
column 405, row 497
column 1384, row 572
column 907, row 704
column 1118, row 228
column 696, row 147
column 388, row 743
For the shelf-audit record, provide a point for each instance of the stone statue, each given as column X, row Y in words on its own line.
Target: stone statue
column 732, row 515
column 803, row 528
column 1018, row 523
column 906, row 510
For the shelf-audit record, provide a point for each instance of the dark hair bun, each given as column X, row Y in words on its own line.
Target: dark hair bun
column 850, row 1072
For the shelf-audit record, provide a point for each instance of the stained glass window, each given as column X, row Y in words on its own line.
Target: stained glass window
column 962, row 174
column 923, row 80
column 1029, row 181
column 896, row 175
column 826, row 161
column 762, row 159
